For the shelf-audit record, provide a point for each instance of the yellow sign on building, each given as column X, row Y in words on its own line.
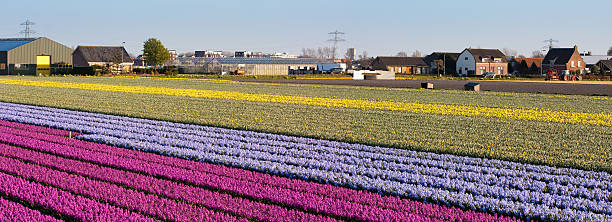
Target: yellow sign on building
column 43, row 65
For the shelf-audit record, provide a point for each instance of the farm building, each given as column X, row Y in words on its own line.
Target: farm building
column 33, row 56
column 481, row 61
column 113, row 57
column 559, row 59
column 247, row 66
column 605, row 65
column 403, row 65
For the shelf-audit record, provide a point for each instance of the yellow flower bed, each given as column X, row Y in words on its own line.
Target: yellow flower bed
column 441, row 109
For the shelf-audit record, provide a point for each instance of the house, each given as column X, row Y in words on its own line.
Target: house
column 33, row 56
column 605, row 65
column 481, row 61
column 526, row 65
column 559, row 59
column 115, row 58
column 403, row 65
column 442, row 62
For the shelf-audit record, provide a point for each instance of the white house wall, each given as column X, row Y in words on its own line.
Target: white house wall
column 462, row 63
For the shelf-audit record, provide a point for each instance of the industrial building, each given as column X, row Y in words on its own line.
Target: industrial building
column 248, row 66
column 33, row 56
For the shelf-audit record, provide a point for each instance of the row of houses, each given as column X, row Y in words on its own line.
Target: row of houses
column 32, row 56
column 481, row 61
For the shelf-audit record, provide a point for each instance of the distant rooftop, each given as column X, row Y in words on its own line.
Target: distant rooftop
column 11, row 43
column 288, row 61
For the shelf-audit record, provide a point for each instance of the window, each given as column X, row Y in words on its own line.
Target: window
column 466, row 58
column 573, row 64
column 579, row 64
column 2, row 66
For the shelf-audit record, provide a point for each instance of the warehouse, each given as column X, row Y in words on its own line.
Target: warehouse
column 247, row 66
column 33, row 56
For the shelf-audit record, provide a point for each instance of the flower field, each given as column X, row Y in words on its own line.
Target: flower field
column 72, row 179
column 133, row 149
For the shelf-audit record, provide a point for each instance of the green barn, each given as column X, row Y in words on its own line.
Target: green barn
column 33, row 56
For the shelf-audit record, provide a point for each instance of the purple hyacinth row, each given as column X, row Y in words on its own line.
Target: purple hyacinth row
column 136, row 201
column 11, row 211
column 487, row 185
column 260, row 191
column 77, row 207
column 166, row 188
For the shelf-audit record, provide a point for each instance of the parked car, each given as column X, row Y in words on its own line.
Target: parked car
column 489, row 75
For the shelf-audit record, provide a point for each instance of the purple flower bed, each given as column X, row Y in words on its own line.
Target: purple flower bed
column 77, row 207
column 166, row 188
column 523, row 190
column 303, row 200
column 11, row 211
column 136, row 201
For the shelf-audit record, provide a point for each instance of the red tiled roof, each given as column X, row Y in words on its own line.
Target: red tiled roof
column 529, row 61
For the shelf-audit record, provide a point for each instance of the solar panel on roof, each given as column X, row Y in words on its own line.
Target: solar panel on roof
column 9, row 45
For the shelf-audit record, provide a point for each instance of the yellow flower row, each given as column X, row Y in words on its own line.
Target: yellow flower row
column 475, row 111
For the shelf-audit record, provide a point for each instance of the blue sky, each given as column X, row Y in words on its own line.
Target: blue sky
column 379, row 27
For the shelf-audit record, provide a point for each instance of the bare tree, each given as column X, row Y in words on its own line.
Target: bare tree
column 402, row 54
column 347, row 55
column 116, row 63
column 364, row 55
column 187, row 54
column 417, row 53
column 308, row 53
column 610, row 51
column 537, row 54
column 521, row 56
column 509, row 52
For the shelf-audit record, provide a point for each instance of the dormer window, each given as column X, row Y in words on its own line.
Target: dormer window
column 497, row 60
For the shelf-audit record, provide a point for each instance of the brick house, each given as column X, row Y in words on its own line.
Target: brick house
column 403, row 65
column 481, row 61
column 559, row 59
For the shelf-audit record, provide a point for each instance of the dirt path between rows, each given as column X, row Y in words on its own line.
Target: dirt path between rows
column 574, row 88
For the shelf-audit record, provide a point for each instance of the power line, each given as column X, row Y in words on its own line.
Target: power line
column 336, row 39
column 28, row 30
column 550, row 43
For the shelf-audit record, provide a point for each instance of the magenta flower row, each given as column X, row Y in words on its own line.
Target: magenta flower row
column 11, row 211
